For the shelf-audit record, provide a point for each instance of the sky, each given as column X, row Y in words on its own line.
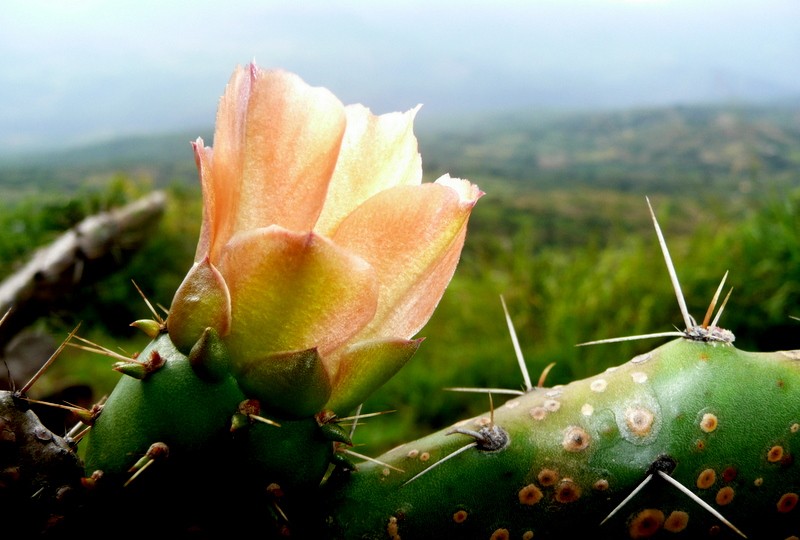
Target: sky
column 78, row 71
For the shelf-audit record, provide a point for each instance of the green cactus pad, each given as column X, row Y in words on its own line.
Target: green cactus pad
column 722, row 422
column 172, row 405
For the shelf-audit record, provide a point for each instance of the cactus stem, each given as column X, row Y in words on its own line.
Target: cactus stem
column 50, row 360
column 700, row 501
column 445, row 458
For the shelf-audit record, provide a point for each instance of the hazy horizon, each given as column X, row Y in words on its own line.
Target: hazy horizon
column 88, row 70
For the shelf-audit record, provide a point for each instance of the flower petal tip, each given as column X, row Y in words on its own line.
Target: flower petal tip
column 467, row 191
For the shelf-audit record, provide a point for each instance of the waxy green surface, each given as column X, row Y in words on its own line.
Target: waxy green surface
column 728, row 420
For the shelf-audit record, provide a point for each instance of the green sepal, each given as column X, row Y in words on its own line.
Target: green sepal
column 150, row 327
column 340, row 460
column 294, row 384
column 239, row 421
column 365, row 367
column 201, row 301
column 137, row 370
column 336, row 433
column 209, row 357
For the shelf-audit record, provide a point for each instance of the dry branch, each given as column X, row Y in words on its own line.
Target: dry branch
column 93, row 248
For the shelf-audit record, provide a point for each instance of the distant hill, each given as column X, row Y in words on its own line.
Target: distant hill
column 661, row 149
column 654, row 148
column 164, row 158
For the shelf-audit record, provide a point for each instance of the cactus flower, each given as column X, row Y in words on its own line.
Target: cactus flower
column 321, row 252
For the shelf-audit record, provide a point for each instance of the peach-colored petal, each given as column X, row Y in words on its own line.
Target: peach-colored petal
column 203, row 156
column 201, row 301
column 275, row 149
column 221, row 182
column 378, row 152
column 292, row 291
column 416, row 260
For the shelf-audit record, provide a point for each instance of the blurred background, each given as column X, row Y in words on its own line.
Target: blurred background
column 567, row 113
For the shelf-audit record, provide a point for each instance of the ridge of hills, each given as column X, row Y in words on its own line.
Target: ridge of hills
column 660, row 149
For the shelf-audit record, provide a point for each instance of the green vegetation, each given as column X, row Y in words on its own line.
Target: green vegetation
column 563, row 234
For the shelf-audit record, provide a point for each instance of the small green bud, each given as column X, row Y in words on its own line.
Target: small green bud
column 150, row 327
column 209, row 357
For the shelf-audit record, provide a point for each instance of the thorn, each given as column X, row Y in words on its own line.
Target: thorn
column 86, row 416
column 149, row 305
column 99, row 349
column 627, row 499
column 157, row 452
column 433, row 466
column 713, row 304
column 522, row 367
column 50, row 360
column 140, row 369
column 491, row 438
column 367, row 458
column 355, row 419
column 671, row 269
column 165, row 310
column 358, row 416
column 5, row 315
column 247, row 412
column 633, row 338
column 722, row 307
column 700, row 501
column 544, row 374
column 263, row 420
column 487, row 390
column 80, row 435
column 276, row 494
